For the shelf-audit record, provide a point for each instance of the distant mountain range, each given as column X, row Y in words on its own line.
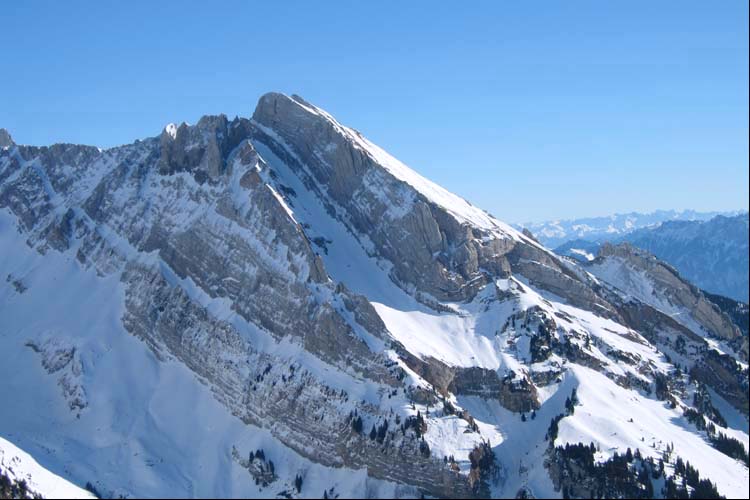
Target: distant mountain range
column 557, row 232
column 712, row 254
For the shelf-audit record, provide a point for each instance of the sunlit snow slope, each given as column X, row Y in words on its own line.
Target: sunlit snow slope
column 18, row 466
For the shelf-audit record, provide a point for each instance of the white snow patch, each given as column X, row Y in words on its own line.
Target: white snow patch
column 20, row 466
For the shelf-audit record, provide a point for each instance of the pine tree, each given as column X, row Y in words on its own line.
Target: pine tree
column 357, row 425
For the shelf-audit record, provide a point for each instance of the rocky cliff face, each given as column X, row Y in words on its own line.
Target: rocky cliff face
column 327, row 295
column 195, row 228
column 430, row 249
column 5, row 139
column 438, row 243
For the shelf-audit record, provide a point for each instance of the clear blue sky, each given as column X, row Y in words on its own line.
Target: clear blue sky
column 532, row 110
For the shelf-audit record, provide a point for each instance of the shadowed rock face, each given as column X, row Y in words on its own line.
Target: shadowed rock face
column 203, row 149
column 5, row 140
column 543, row 269
column 515, row 394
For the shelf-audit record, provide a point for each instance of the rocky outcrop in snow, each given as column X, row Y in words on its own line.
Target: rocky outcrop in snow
column 643, row 276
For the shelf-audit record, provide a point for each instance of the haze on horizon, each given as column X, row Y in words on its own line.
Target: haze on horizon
column 531, row 111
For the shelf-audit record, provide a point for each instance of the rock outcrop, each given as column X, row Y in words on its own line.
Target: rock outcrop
column 6, row 140
column 636, row 270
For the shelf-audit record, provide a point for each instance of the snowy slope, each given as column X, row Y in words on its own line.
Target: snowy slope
column 638, row 422
column 638, row 275
column 636, row 284
column 18, row 465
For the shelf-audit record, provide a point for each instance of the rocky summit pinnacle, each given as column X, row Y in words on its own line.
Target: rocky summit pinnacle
column 276, row 306
column 5, row 139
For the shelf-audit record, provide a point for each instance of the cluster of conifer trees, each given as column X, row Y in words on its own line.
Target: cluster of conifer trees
column 11, row 488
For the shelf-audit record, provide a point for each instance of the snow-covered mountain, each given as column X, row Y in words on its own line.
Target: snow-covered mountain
column 641, row 276
column 608, row 228
column 712, row 254
column 276, row 306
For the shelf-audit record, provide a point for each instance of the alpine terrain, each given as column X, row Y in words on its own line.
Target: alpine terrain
column 712, row 254
column 276, row 307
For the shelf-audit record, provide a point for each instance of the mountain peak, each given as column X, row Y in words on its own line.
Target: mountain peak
column 201, row 148
column 638, row 273
column 623, row 249
column 275, row 106
column 5, row 139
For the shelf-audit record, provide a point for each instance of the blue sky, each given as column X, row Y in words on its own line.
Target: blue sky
column 531, row 110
